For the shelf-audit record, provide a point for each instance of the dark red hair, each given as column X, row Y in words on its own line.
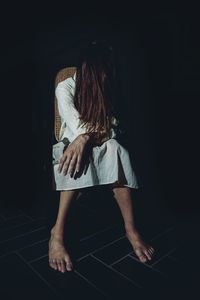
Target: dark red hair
column 95, row 87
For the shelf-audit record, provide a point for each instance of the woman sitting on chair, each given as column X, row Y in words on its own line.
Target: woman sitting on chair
column 92, row 155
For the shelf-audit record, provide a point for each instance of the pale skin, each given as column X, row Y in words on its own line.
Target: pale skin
column 59, row 258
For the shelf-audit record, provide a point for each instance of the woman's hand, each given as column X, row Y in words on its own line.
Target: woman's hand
column 71, row 160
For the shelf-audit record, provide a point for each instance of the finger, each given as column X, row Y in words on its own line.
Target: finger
column 78, row 163
column 71, row 168
column 66, row 165
column 86, row 167
column 61, row 163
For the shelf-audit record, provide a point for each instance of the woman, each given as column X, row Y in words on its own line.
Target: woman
column 89, row 153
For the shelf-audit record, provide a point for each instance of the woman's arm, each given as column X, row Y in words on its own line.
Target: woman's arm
column 67, row 109
column 68, row 112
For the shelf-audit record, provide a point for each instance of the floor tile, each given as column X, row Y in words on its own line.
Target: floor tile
column 111, row 283
column 149, row 230
column 17, row 221
column 180, row 279
column 10, row 212
column 35, row 251
column 84, row 224
column 97, row 241
column 178, row 255
column 142, row 274
column 168, row 266
column 18, row 281
column 69, row 284
column 23, row 241
column 20, row 230
column 115, row 251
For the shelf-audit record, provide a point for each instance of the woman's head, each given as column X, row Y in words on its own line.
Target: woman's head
column 96, row 58
column 94, row 94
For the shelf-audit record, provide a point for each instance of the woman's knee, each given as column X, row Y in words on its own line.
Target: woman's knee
column 81, row 192
column 72, row 192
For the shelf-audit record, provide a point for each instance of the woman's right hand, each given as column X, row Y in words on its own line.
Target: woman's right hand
column 72, row 159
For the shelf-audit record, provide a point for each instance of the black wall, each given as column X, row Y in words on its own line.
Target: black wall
column 157, row 55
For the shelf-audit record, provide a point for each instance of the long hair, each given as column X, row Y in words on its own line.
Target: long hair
column 94, row 95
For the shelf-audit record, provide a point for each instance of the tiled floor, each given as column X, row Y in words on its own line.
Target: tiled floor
column 105, row 265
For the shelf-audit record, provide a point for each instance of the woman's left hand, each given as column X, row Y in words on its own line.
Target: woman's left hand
column 71, row 160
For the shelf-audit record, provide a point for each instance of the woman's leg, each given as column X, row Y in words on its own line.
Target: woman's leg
column 123, row 196
column 59, row 258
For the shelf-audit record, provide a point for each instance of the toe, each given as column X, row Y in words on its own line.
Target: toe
column 63, row 269
column 147, row 254
column 141, row 255
column 59, row 265
column 68, row 263
column 69, row 266
column 143, row 258
column 150, row 254
column 54, row 265
column 151, row 251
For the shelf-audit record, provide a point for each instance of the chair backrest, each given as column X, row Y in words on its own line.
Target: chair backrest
column 61, row 75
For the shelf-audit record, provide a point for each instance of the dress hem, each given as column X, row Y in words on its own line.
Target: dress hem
column 92, row 185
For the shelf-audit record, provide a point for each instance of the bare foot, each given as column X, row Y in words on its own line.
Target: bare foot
column 59, row 258
column 141, row 248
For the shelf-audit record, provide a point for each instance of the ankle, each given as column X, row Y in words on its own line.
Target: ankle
column 57, row 232
column 131, row 230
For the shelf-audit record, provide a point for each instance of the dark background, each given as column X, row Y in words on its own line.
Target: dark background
column 157, row 53
column 158, row 57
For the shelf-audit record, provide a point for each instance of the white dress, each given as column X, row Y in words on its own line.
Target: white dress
column 109, row 162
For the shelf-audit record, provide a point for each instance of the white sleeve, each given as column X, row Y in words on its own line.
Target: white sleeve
column 67, row 110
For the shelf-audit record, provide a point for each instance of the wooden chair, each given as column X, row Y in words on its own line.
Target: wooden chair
column 61, row 75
